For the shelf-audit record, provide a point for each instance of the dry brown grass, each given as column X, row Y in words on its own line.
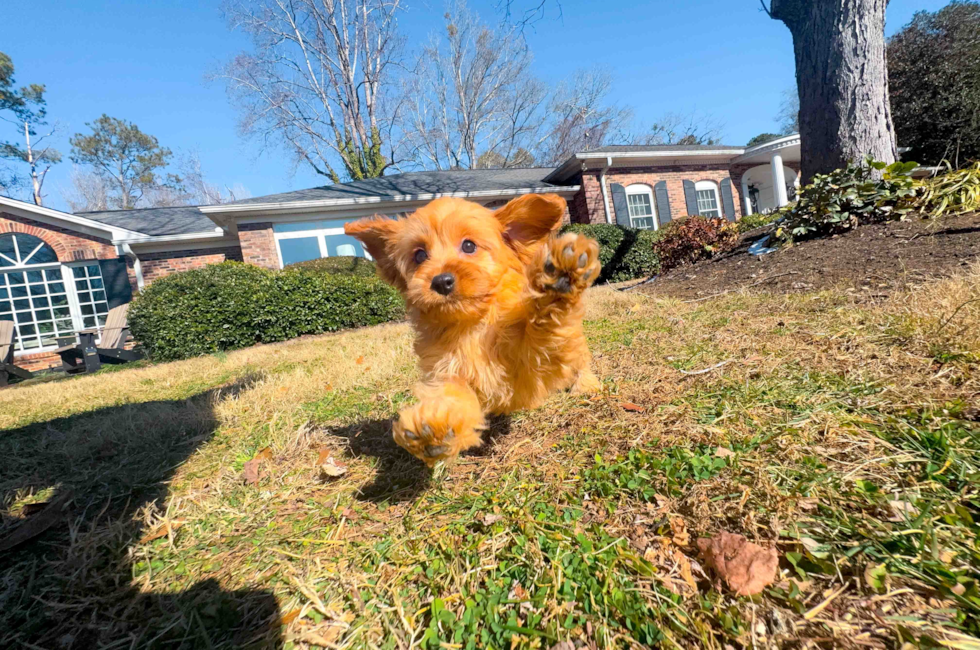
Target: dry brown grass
column 829, row 402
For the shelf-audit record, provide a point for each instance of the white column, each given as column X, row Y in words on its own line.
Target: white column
column 746, row 200
column 778, row 181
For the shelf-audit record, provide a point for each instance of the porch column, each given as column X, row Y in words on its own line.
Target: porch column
column 778, row 181
column 746, row 199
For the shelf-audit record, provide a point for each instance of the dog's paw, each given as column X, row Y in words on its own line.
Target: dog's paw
column 569, row 264
column 586, row 384
column 437, row 430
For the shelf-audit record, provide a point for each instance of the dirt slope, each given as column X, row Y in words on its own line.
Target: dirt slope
column 877, row 259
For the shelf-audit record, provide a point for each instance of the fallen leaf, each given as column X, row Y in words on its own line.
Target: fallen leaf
column 328, row 387
column 284, row 389
column 631, row 407
column 901, row 511
column 746, row 567
column 39, row 523
column 163, row 530
column 250, row 471
column 330, row 468
column 264, row 454
column 348, row 513
column 360, row 361
column 563, row 645
column 489, row 519
column 684, row 566
column 958, row 589
column 322, row 456
column 724, row 452
column 289, row 617
column 33, row 508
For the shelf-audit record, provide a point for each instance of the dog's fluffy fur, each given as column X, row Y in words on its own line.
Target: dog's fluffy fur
column 507, row 333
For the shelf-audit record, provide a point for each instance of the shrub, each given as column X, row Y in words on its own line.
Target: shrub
column 955, row 191
column 693, row 239
column 844, row 198
column 345, row 265
column 232, row 305
column 757, row 220
column 625, row 253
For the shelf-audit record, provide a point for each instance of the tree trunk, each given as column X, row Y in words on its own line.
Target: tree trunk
column 842, row 81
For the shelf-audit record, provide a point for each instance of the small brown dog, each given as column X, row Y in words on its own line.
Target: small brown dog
column 496, row 301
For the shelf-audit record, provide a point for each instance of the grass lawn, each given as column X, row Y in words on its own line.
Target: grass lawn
column 842, row 430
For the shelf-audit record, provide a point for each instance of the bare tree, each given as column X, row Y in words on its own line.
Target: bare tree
column 317, row 80
column 581, row 117
column 88, row 192
column 841, row 80
column 789, row 112
column 192, row 187
column 472, row 95
column 684, row 128
column 201, row 191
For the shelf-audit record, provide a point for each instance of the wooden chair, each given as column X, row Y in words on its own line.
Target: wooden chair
column 86, row 356
column 7, row 367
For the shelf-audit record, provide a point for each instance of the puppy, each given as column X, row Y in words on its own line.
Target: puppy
column 496, row 301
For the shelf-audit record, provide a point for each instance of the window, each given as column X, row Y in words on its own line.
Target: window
column 310, row 240
column 44, row 298
column 639, row 198
column 707, row 193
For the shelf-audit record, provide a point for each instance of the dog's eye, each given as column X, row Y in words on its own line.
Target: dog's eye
column 420, row 256
column 468, row 247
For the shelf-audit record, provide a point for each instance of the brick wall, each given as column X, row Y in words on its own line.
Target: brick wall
column 70, row 246
column 258, row 244
column 158, row 265
column 588, row 206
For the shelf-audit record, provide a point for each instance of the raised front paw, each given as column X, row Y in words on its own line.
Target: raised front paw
column 569, row 264
column 437, row 430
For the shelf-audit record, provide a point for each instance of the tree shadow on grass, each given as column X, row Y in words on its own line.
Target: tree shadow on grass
column 72, row 585
column 399, row 476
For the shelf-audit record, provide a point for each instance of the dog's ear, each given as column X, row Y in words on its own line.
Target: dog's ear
column 378, row 234
column 531, row 218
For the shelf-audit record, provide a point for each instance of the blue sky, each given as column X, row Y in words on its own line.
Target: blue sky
column 147, row 62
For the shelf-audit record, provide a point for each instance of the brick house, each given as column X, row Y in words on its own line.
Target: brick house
column 61, row 272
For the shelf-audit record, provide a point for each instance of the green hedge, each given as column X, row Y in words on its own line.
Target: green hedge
column 232, row 305
column 625, row 253
column 345, row 265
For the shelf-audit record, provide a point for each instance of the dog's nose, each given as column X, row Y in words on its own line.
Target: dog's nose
column 444, row 283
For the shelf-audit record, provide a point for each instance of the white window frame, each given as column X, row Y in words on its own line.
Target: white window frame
column 706, row 186
column 320, row 233
column 642, row 189
column 71, row 293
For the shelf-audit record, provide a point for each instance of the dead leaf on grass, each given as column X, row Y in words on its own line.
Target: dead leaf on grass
column 360, row 361
column 163, row 530
column 39, row 523
column 631, row 407
column 489, row 518
column 563, row 645
column 264, row 454
column 289, row 617
column 331, row 468
column 901, row 511
column 724, row 452
column 746, row 568
column 250, row 471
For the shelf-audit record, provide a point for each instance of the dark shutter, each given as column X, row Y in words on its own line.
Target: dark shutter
column 620, row 206
column 727, row 200
column 118, row 291
column 663, row 202
column 691, row 198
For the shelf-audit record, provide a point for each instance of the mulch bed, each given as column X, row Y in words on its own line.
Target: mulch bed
column 875, row 258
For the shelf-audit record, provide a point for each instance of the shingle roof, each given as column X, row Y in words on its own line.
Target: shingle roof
column 627, row 148
column 414, row 183
column 180, row 220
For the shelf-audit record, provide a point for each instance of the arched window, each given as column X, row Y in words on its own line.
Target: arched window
column 44, row 298
column 643, row 214
column 708, row 203
column 18, row 249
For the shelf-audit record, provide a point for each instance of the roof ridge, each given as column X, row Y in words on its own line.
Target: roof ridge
column 124, row 210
